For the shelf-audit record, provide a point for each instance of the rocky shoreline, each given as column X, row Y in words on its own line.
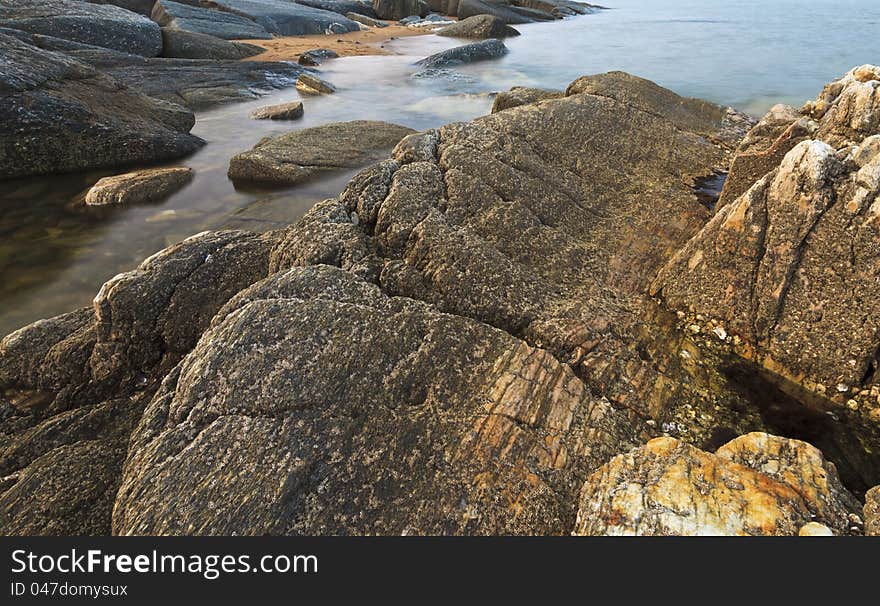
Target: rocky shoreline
column 530, row 323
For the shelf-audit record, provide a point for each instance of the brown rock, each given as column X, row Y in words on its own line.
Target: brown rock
column 519, row 95
column 139, row 187
column 312, row 85
column 283, row 111
column 871, row 512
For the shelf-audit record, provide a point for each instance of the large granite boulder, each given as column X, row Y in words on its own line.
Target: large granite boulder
column 519, row 95
column 395, row 10
column 288, row 18
column 503, row 10
column 468, row 53
column 182, row 44
column 302, row 154
column 342, row 6
column 788, row 269
column 60, row 115
column 220, row 24
column 478, row 26
column 756, row 485
column 144, row 7
column 107, row 26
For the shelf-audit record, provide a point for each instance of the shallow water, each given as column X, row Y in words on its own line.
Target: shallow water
column 746, row 53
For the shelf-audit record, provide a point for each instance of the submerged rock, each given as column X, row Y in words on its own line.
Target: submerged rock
column 60, row 115
column 469, row 53
column 670, row 488
column 220, row 24
column 312, row 85
column 139, row 187
column 107, row 26
column 479, row 26
column 294, row 157
column 189, row 45
column 283, row 111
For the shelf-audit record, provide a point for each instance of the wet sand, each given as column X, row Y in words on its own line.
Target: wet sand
column 350, row 44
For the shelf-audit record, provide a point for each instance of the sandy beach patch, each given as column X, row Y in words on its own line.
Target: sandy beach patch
column 350, row 44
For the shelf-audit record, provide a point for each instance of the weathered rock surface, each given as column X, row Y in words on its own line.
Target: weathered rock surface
column 395, row 10
column 220, row 24
column 871, row 512
column 60, row 115
column 479, row 26
column 759, row 485
column 516, row 248
column 288, row 18
column 507, row 12
column 282, row 111
column 519, row 95
column 788, row 269
column 310, row 84
column 343, row 7
column 139, row 187
column 468, row 53
column 107, row 26
column 316, row 56
column 364, row 20
column 294, row 157
column 144, row 7
column 190, row 45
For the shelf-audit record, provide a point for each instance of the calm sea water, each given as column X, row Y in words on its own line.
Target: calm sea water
column 746, row 53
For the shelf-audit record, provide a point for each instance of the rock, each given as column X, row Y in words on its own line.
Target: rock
column 139, row 187
column 469, row 53
column 431, row 21
column 871, row 512
column 316, row 56
column 395, row 10
column 814, row 529
column 788, row 267
column 479, row 26
column 294, row 157
column 220, row 24
column 189, row 45
column 501, row 9
column 364, row 20
column 801, row 466
column 60, row 115
column 324, row 456
column 519, row 95
column 343, row 7
column 667, row 487
column 283, row 111
column 143, row 7
column 313, row 85
column 288, row 18
column 101, row 25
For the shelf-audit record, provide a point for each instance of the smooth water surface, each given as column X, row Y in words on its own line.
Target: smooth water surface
column 55, row 254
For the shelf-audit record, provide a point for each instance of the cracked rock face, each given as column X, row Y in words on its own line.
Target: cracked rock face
column 452, row 345
column 789, row 268
column 756, row 485
column 61, row 115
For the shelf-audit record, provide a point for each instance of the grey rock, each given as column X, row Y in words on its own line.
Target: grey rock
column 469, row 53
column 479, row 26
column 143, row 7
column 364, row 20
column 289, row 18
column 182, row 44
column 395, row 10
column 61, row 115
column 505, row 11
column 316, row 56
column 343, row 7
column 220, row 24
column 107, row 26
column 284, row 111
column 294, row 157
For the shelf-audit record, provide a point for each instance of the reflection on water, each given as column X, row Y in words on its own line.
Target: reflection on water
column 747, row 53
